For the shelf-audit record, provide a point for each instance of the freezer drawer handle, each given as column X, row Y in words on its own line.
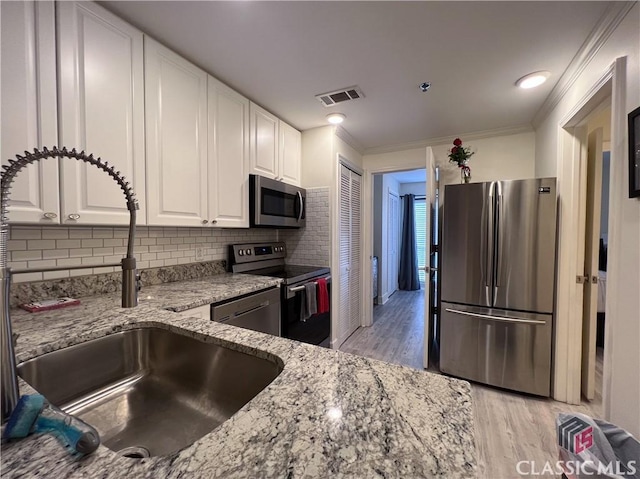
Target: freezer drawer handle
column 496, row 318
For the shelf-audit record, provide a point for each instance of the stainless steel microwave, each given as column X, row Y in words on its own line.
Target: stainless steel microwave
column 274, row 204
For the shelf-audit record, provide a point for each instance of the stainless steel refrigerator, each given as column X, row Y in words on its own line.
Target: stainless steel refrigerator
column 498, row 283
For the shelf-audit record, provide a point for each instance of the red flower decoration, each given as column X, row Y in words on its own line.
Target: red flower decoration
column 457, row 142
column 454, row 150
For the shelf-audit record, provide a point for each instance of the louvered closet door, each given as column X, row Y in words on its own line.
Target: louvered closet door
column 350, row 262
column 354, row 273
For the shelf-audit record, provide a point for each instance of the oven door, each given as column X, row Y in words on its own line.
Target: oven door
column 276, row 204
column 314, row 330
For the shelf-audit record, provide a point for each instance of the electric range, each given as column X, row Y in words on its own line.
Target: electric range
column 269, row 259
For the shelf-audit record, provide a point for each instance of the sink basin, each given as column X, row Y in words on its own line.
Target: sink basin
column 149, row 391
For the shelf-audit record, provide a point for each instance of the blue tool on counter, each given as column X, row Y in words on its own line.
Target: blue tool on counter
column 33, row 414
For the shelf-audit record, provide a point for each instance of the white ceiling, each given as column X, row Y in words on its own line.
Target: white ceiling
column 281, row 54
column 411, row 176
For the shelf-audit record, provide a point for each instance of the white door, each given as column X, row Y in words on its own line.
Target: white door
column 228, row 157
column 176, row 133
column 430, row 200
column 591, row 254
column 290, row 157
column 28, row 108
column 355, row 268
column 393, row 257
column 100, row 60
column 350, row 236
column 264, row 131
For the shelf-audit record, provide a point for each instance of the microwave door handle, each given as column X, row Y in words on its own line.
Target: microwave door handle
column 301, row 201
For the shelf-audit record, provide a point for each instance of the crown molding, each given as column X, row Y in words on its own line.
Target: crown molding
column 345, row 136
column 445, row 140
column 613, row 15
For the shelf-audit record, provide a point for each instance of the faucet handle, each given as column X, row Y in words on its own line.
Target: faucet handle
column 138, row 282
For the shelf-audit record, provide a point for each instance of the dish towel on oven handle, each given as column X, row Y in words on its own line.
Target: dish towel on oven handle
column 311, row 299
column 323, row 296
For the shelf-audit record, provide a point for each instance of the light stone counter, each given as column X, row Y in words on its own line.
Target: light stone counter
column 328, row 414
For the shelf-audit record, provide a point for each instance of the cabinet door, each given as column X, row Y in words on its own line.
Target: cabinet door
column 264, row 142
column 101, row 111
column 228, row 156
column 290, row 157
column 176, row 132
column 29, row 111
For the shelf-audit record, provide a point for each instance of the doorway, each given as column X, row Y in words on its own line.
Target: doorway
column 397, row 331
column 598, row 129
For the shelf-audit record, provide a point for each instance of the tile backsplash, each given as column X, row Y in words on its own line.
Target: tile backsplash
column 39, row 247
column 311, row 245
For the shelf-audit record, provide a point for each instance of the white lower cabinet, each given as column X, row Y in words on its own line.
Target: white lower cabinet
column 100, row 80
column 176, row 134
column 28, row 108
column 228, row 157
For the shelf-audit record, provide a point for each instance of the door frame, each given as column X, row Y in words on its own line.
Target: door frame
column 403, row 164
column 572, row 148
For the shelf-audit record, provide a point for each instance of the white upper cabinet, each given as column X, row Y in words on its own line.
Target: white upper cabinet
column 176, row 134
column 290, row 154
column 264, row 130
column 29, row 115
column 228, row 157
column 276, row 148
column 100, row 75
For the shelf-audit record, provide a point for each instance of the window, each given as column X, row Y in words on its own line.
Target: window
column 420, row 219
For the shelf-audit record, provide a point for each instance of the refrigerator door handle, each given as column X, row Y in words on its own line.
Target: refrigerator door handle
column 498, row 239
column 496, row 318
column 489, row 238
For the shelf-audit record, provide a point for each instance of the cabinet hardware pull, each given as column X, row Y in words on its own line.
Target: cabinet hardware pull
column 204, row 222
column 214, row 222
column 74, row 216
column 50, row 216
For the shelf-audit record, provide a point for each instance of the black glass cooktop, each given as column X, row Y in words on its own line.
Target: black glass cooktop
column 292, row 273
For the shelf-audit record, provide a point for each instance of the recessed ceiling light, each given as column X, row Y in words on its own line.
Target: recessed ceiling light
column 533, row 80
column 336, row 118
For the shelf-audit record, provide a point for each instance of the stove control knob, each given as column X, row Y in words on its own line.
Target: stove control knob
column 240, row 252
column 248, row 252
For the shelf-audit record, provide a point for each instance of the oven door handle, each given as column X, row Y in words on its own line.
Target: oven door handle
column 292, row 290
column 301, row 202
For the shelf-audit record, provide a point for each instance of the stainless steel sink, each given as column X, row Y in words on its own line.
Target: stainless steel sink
column 149, row 391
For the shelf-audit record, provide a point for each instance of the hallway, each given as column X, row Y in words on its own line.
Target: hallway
column 397, row 332
column 510, row 427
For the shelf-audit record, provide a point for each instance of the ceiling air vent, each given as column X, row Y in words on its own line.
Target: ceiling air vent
column 340, row 96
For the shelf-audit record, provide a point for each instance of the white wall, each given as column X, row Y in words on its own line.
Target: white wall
column 508, row 157
column 622, row 368
column 317, row 151
column 418, row 189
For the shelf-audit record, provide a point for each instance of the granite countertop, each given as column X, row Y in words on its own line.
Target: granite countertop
column 392, row 421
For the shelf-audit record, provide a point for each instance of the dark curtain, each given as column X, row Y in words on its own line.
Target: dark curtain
column 408, row 278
